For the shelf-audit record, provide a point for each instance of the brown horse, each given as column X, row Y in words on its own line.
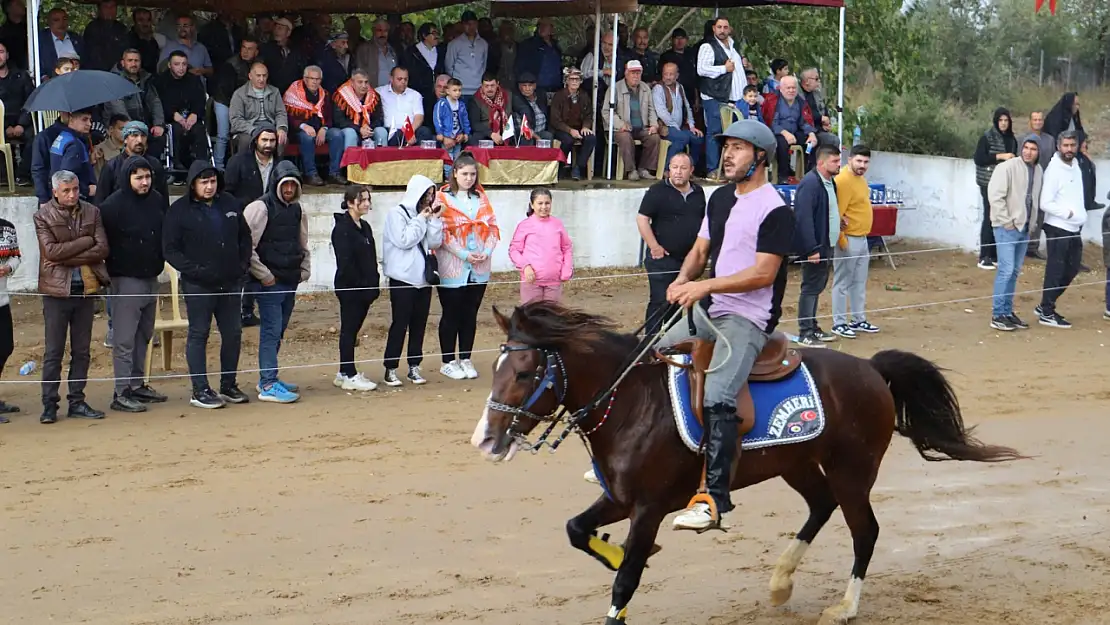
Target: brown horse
column 555, row 357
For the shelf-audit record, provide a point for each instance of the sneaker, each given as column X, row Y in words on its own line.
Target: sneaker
column 81, row 410
column 277, row 394
column 1055, row 320
column 356, row 382
column 863, row 326
column 109, row 338
column 468, row 369
column 232, row 395
column 633, row 175
column 696, row 517
column 1002, row 323
column 824, row 337
column 289, row 386
column 844, row 330
column 206, row 398
column 126, row 402
column 415, row 377
column 809, row 339
column 251, row 320
column 1017, row 322
column 1038, row 311
column 591, row 476
column 1106, row 314
column 391, row 378
column 986, row 263
column 147, row 395
column 453, row 370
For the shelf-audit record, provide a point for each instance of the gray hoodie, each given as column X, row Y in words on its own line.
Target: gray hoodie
column 406, row 231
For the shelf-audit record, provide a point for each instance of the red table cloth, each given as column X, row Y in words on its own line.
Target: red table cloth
column 364, row 157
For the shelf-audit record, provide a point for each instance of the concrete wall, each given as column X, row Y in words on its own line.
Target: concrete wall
column 942, row 192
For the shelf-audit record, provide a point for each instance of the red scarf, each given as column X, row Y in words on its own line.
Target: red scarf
column 358, row 111
column 296, row 99
column 497, row 116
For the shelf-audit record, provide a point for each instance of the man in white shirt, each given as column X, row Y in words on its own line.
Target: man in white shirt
column 721, row 82
column 400, row 103
column 1065, row 214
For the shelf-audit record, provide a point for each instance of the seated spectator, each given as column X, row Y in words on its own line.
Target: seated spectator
column 286, row 64
column 811, row 92
column 105, row 37
column 143, row 38
column 791, row 120
column 676, row 117
column 378, row 56
column 749, row 105
column 111, row 146
column 451, row 121
column 780, row 68
column 572, row 119
column 310, row 116
column 489, row 110
column 183, row 100
column 401, row 104
column 57, row 41
column 531, row 105
column 357, row 111
column 256, row 102
column 229, row 76
column 541, row 56
column 635, row 118
column 196, row 55
column 70, row 152
column 336, row 62
column 134, row 136
column 15, row 87
column 425, row 64
column 642, row 52
column 145, row 106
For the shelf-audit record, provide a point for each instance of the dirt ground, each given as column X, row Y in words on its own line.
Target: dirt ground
column 374, row 509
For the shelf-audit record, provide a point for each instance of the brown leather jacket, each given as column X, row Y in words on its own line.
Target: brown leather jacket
column 69, row 239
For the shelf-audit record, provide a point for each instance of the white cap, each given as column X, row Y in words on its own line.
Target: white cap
column 633, row 65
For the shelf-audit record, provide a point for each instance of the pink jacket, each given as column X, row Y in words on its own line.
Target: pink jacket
column 545, row 245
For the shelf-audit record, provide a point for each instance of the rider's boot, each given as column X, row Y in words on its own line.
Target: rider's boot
column 721, row 452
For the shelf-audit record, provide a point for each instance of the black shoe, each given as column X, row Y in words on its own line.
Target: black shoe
column 1002, row 323
column 6, row 408
column 82, row 410
column 251, row 320
column 1055, row 320
column 1084, row 268
column 147, row 395
column 1017, row 322
column 315, row 180
column 206, row 398
column 232, row 395
column 20, row 181
column 127, row 402
column 49, row 415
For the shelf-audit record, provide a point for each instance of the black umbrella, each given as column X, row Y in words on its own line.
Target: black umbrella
column 79, row 90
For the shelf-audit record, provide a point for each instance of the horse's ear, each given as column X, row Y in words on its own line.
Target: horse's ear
column 502, row 321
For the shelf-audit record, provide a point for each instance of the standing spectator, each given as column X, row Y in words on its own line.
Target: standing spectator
column 687, row 63
column 669, row 219
column 9, row 262
column 353, row 27
column 254, row 103
column 791, row 119
column 183, row 102
column 676, row 116
column 1046, row 147
column 811, row 93
column 1090, row 180
column 70, row 152
column 13, row 33
column 608, row 69
column 424, row 63
column 413, row 233
column 451, row 120
column 15, row 87
column 531, row 105
column 106, row 38
column 196, row 54
column 356, row 281
column 641, row 51
column 1014, row 192
column 264, row 28
column 40, row 157
column 507, row 49
column 229, row 76
column 541, row 56
column 1106, row 259
column 817, row 231
column 399, row 103
column 780, row 68
column 358, row 111
column 144, row 106
column 997, row 144
column 721, row 71
column 542, row 251
column 470, row 234
column 222, row 36
column 132, row 219
column 279, row 262
column 310, row 112
column 143, row 38
column 248, row 179
column 1065, row 215
column 467, row 55
column 336, row 61
column 489, row 111
column 377, row 57
column 111, row 146
column 57, row 41
column 206, row 239
column 634, row 118
column 850, row 258
column 572, row 119
column 285, row 63
column 72, row 249
column 134, row 144
column 1063, row 116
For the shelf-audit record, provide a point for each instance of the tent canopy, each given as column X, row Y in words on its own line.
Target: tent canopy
column 729, row 4
column 251, row 7
column 557, row 8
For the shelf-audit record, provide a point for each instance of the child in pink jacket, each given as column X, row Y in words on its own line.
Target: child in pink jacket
column 541, row 250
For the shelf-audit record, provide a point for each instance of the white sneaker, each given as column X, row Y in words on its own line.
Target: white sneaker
column 468, row 369
column 453, row 370
column 356, row 383
column 696, row 517
column 591, row 477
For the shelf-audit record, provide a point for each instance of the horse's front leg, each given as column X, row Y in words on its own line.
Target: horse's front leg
column 639, row 546
column 582, row 531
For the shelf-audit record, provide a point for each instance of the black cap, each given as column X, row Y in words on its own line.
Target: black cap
column 679, row 32
column 469, row 16
column 526, row 77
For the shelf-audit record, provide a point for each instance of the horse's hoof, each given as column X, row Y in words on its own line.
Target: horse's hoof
column 612, row 621
column 781, row 593
column 836, row 615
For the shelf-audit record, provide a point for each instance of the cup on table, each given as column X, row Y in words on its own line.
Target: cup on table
column 485, row 144
column 368, row 144
column 543, row 143
column 428, row 145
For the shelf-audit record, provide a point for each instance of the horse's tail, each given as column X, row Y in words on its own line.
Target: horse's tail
column 928, row 413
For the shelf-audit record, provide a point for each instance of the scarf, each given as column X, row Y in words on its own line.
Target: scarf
column 358, row 111
column 297, row 100
column 457, row 227
column 497, row 116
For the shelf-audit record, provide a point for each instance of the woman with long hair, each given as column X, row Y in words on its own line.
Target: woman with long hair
column 470, row 234
column 356, row 281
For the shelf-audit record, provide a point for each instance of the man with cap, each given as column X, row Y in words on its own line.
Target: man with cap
column 1014, row 192
column 635, row 118
column 530, row 104
column 285, row 62
column 134, row 144
column 467, row 55
column 335, row 61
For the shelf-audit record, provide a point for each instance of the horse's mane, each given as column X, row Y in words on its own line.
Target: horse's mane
column 548, row 324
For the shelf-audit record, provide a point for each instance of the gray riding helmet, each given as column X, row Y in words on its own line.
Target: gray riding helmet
column 755, row 133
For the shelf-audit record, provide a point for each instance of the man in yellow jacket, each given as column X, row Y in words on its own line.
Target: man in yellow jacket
column 851, row 256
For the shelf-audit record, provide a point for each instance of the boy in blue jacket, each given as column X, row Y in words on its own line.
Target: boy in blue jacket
column 451, row 120
column 70, row 151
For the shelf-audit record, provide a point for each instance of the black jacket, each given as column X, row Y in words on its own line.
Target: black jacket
column 14, row 90
column 522, row 108
column 422, row 79
column 133, row 224
column 284, row 70
column 229, row 76
column 183, row 95
column 279, row 246
column 241, row 176
column 811, row 216
column 214, row 260
column 214, row 36
column 356, row 258
column 109, row 179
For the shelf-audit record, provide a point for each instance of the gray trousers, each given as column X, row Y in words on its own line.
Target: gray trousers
column 723, row 385
column 132, row 328
column 62, row 316
column 850, row 281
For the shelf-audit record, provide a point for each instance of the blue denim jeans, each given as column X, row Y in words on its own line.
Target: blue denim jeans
column 223, row 132
column 275, row 306
column 1011, row 246
column 336, row 141
column 712, row 109
column 680, row 139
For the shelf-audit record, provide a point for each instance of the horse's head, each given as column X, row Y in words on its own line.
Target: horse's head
column 529, row 381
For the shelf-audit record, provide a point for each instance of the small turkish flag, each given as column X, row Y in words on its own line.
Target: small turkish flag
column 525, row 131
column 1051, row 6
column 408, row 131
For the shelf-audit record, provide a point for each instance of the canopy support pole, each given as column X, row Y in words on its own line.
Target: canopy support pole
column 840, row 85
column 612, row 99
column 597, row 55
column 33, row 43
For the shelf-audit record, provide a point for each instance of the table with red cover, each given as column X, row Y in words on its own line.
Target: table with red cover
column 392, row 167
column 523, row 166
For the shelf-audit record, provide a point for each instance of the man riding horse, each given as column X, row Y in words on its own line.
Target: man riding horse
column 747, row 231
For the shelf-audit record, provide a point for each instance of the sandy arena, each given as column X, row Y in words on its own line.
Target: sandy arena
column 346, row 509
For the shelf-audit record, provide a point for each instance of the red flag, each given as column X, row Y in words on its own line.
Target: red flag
column 1051, row 6
column 525, row 131
column 409, row 131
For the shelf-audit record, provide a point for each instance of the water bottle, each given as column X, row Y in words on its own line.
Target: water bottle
column 368, row 144
column 27, row 368
column 856, row 134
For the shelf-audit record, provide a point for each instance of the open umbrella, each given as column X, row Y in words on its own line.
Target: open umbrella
column 79, row 90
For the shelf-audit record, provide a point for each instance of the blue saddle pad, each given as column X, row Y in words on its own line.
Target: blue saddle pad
column 786, row 411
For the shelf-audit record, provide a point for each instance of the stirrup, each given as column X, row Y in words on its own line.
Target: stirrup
column 714, row 514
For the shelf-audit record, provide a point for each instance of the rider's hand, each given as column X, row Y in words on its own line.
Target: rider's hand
column 688, row 294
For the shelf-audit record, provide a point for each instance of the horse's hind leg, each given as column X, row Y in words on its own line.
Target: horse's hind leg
column 813, row 486
column 641, row 541
column 582, row 531
column 853, row 491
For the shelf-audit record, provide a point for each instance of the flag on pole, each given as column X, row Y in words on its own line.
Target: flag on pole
column 509, row 130
column 410, row 132
column 525, row 131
